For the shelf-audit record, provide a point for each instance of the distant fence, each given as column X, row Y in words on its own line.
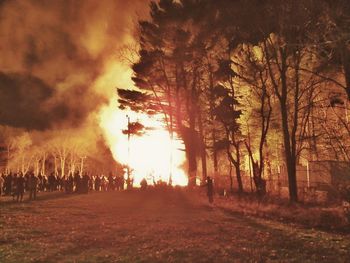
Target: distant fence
column 317, row 182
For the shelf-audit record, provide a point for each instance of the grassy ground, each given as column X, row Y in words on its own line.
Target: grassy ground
column 153, row 227
column 327, row 217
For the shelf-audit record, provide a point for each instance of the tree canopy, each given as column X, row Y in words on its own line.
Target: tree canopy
column 228, row 74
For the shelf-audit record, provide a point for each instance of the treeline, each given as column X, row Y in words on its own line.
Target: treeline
column 247, row 78
column 62, row 153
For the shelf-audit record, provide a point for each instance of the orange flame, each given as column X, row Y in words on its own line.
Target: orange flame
column 153, row 155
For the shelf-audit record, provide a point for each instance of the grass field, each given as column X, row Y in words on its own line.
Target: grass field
column 153, row 226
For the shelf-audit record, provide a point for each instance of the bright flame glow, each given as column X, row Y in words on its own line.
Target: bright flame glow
column 151, row 154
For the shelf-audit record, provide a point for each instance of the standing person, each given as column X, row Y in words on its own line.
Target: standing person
column 63, row 183
column 40, row 182
column 143, row 184
column 70, row 184
column 128, row 183
column 85, row 184
column 13, row 186
column 51, row 181
column 116, row 182
column 33, row 186
column 26, row 181
column 210, row 189
column 20, row 183
column 110, row 182
column 45, row 183
column 77, row 182
column 122, row 182
column 91, row 182
column 104, row 183
column 2, row 181
column 97, row 183
column 56, row 182
column 8, row 184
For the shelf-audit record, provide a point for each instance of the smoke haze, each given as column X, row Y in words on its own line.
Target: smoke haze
column 58, row 63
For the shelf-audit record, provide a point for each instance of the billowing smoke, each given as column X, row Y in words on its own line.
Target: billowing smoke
column 24, row 102
column 55, row 59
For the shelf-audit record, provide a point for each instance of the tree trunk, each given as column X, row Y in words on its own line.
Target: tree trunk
column 239, row 178
column 237, row 165
column 202, row 149
column 204, row 164
column 190, row 149
column 192, row 114
column 63, row 162
column 55, row 165
column 259, row 182
column 215, row 152
column 292, row 182
column 22, row 164
column 191, row 155
column 213, row 131
column 43, row 164
column 345, row 55
column 289, row 156
column 290, row 159
column 192, row 165
column 37, row 169
column 8, row 159
column 231, row 179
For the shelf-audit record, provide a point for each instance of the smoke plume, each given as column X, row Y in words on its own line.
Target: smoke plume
column 55, row 58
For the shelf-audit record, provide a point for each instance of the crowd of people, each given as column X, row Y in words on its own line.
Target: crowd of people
column 16, row 184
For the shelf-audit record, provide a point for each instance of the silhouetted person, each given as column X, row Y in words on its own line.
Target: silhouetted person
column 2, row 182
column 143, row 184
column 26, row 181
column 85, row 184
column 61, row 183
column 40, row 183
column 52, row 182
column 104, row 183
column 20, row 184
column 210, row 189
column 13, row 186
column 110, row 182
column 91, row 182
column 97, row 183
column 129, row 183
column 116, row 183
column 122, row 182
column 33, row 186
column 77, row 182
column 70, row 184
column 45, row 183
column 56, row 182
column 8, row 184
